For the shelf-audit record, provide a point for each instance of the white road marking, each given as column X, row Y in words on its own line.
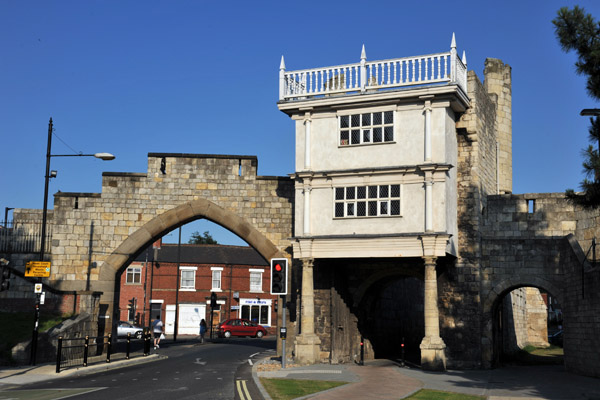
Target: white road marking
column 252, row 355
column 77, row 394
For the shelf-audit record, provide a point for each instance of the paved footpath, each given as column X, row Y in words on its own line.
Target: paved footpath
column 383, row 379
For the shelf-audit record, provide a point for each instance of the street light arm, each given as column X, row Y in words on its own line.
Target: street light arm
column 102, row 156
column 590, row 112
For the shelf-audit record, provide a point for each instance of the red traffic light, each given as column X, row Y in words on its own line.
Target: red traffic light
column 278, row 267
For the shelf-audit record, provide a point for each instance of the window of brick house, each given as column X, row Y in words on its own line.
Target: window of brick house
column 216, row 278
column 256, row 280
column 134, row 275
column 187, row 278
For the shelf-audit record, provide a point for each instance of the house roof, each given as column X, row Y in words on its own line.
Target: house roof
column 205, row 254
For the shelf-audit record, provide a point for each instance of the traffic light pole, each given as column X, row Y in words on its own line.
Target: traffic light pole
column 283, row 332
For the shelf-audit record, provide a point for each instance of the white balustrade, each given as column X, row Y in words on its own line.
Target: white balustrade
column 374, row 75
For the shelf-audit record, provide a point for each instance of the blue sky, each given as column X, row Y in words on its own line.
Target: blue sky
column 133, row 77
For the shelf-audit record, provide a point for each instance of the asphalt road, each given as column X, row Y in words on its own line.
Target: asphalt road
column 209, row 371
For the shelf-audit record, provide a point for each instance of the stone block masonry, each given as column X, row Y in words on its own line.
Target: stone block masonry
column 95, row 235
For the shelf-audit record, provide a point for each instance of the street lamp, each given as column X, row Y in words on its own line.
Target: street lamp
column 51, row 174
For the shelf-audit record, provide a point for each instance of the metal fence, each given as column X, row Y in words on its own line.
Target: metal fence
column 80, row 352
column 23, row 236
column 75, row 352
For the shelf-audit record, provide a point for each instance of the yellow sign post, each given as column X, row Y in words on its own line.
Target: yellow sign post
column 37, row 269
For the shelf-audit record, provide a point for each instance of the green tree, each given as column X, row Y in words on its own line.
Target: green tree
column 578, row 31
column 205, row 238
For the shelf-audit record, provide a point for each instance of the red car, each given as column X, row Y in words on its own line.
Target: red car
column 240, row 327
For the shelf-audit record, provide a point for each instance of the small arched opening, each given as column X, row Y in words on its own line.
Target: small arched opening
column 526, row 325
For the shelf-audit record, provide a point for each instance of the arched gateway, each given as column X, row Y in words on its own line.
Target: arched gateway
column 97, row 235
column 169, row 220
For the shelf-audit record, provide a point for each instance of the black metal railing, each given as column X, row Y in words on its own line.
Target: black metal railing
column 80, row 352
column 75, row 352
column 23, row 236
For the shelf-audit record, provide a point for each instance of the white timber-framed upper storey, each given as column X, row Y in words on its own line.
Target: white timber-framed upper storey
column 376, row 155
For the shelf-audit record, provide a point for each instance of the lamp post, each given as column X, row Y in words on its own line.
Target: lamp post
column 51, row 174
column 6, row 210
column 102, row 156
column 591, row 112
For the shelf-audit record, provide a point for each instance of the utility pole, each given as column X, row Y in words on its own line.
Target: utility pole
column 177, row 288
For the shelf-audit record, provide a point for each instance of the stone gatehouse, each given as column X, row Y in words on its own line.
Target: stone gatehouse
column 399, row 217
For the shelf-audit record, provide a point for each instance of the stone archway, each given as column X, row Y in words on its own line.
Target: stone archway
column 490, row 305
column 164, row 223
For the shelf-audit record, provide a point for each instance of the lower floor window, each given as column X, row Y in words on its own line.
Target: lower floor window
column 256, row 313
column 367, row 201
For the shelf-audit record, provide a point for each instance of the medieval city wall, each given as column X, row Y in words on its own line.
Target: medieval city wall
column 130, row 200
column 527, row 242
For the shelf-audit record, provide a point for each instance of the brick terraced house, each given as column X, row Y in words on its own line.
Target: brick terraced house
column 238, row 275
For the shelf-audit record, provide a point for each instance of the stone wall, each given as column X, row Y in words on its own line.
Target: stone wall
column 129, row 200
column 498, row 83
column 540, row 240
column 581, row 316
column 459, row 285
column 525, row 319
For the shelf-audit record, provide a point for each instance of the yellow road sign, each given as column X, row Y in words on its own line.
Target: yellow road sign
column 37, row 269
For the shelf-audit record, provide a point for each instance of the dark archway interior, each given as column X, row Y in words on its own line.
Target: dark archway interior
column 391, row 315
column 526, row 317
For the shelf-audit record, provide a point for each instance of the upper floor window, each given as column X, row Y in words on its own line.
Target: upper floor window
column 256, row 280
column 367, row 201
column 188, row 278
column 216, row 278
column 134, row 275
column 367, row 128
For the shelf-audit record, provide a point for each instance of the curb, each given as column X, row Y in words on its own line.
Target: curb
column 6, row 382
column 257, row 380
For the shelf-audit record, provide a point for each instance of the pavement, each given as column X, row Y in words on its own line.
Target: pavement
column 386, row 379
column 378, row 379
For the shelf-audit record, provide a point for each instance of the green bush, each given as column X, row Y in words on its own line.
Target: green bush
column 18, row 327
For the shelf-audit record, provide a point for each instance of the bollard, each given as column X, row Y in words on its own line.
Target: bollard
column 108, row 345
column 58, row 354
column 146, row 342
column 402, row 347
column 362, row 351
column 128, row 345
column 85, row 350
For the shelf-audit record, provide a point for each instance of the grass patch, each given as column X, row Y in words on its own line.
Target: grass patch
column 287, row 389
column 18, row 327
column 426, row 394
column 531, row 355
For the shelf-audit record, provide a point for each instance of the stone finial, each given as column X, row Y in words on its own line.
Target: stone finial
column 363, row 53
column 464, row 58
column 453, row 44
column 282, row 64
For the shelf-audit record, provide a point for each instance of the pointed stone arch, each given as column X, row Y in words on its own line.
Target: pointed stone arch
column 165, row 222
column 491, row 302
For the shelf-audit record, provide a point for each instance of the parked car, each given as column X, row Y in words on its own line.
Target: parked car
column 125, row 327
column 556, row 338
column 240, row 327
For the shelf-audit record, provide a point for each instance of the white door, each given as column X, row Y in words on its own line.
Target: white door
column 189, row 318
column 170, row 319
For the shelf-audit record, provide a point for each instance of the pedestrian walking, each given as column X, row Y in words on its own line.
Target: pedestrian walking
column 202, row 330
column 157, row 329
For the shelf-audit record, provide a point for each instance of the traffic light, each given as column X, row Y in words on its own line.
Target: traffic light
column 279, row 267
column 213, row 300
column 4, row 278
